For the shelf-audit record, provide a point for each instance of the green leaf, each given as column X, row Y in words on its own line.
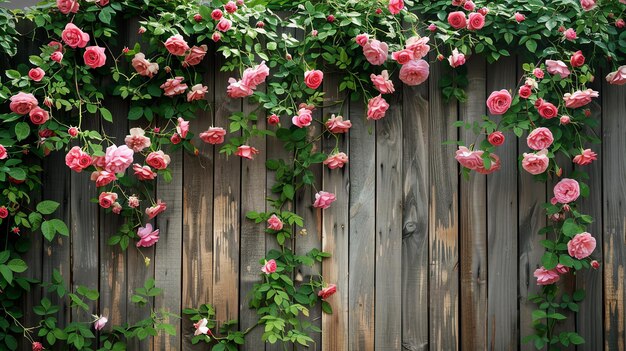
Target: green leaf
column 48, row 230
column 6, row 273
column 135, row 113
column 106, row 114
column 327, row 308
column 60, row 226
column 22, row 130
column 105, row 16
column 549, row 260
column 531, row 45
column 289, row 191
column 17, row 173
column 4, row 256
column 13, row 74
column 47, row 207
column 17, row 265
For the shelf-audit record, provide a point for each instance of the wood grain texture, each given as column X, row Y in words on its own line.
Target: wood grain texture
column 473, row 224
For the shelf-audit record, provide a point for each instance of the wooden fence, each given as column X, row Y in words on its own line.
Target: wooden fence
column 422, row 258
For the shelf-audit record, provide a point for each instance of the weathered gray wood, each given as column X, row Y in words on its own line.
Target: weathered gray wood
column 473, row 226
column 388, row 304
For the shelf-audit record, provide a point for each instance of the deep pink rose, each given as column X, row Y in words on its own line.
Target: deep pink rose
column 74, row 37
column 313, row 79
column 557, row 67
column 273, row 119
column 519, row 17
column 376, row 108
column 176, row 45
column 106, row 199
column 595, row 264
column 23, row 103
column 103, row 178
column 195, row 56
column 540, row 138
column 117, row 159
column 37, row 346
column 547, row 110
column 36, row 74
column 237, row 89
column 274, row 223
column 579, row 98
column 216, row 37
column 4, row 213
column 324, row 199
column 147, row 236
column 337, row 125
column 581, row 245
column 217, row 14
column 182, row 128
column 496, row 138
column 570, row 34
column 269, row 267
column 362, row 39
column 403, row 56
column 38, row 116
column 56, row 56
column 382, row 83
column 153, row 211
column 546, row 277
column 566, row 191
column 143, row 66
column 143, row 172
column 418, row 45
column 395, row 6
column 158, row 159
column 95, row 56
column 456, row 59
column 224, row 25
column 588, row 4
column 618, row 77
column 585, row 157
column 254, row 76
column 3, row 152
column 525, row 91
column 376, row 52
column 213, row 135
column 469, row 5
column 174, row 86
column 327, row 291
column 197, row 92
column 536, row 163
column 457, row 19
column 67, row 6
column 303, row 118
column 578, row 59
column 336, row 161
column 230, row 7
column 499, row 102
column 137, row 140
column 246, row 151
column 538, row 72
column 414, row 72
column 476, row 21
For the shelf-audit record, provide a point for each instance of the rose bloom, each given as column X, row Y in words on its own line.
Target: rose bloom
column 375, row 52
column 415, row 72
column 117, row 159
column 100, row 323
column 327, row 291
column 476, row 21
column 538, row 72
column 254, row 76
column 336, row 161
column 494, row 166
column 577, row 59
column 273, row 119
column 197, row 92
column 620, row 23
column 337, row 125
column 38, row 116
column 23, row 103
column 519, row 17
column 499, row 102
column 564, row 120
column 561, row 269
column 618, row 77
column 361, row 39
column 269, row 267
column 557, row 67
column 566, row 191
column 158, row 159
column 217, row 14
column 496, row 138
column 103, row 178
column 95, row 56
column 579, row 98
column 395, row 6
column 525, row 91
column 4, row 213
column 74, row 37
column 588, row 4
column 176, row 45
column 382, row 83
column 585, row 158
column 147, row 236
column 323, row 199
column 196, row 55
column 457, row 19
column 547, row 110
column 418, row 45
column 137, row 140
column 376, row 107
column 230, row 7
column 469, row 5
column 274, row 223
column 56, row 56
column 182, row 128
column 237, row 89
column 313, row 78
column 143, row 66
column 3, row 152
column 456, row 59
column 216, row 37
column 540, row 138
column 468, row 158
column 133, row 201
column 570, row 34
column 581, row 245
column 224, row 25
column 37, row 346
column 403, row 56
column 156, row 209
column 174, row 86
column 536, row 163
column 303, row 118
column 246, row 151
column 213, row 135
column 77, row 160
column 106, row 199
column 201, row 327
column 546, row 277
column 143, row 172
column 67, row 6
column 36, row 74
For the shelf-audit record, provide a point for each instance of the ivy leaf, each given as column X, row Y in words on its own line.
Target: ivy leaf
column 22, row 130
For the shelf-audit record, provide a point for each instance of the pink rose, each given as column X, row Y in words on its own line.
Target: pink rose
column 237, row 89
column 457, row 19
column 269, row 267
column 595, row 264
column 143, row 172
column 246, row 151
column 95, row 56
column 195, row 56
column 74, row 37
column 197, row 92
column 546, row 277
column 3, row 152
column 494, row 166
column 216, row 37
column 313, row 79
column 102, row 2
column 540, row 138
column 174, row 86
column 213, row 135
column 525, row 91
column 158, row 159
column 182, row 128
column 414, row 72
column 98, row 161
column 570, row 34
column 201, row 327
column 538, row 72
column 303, row 118
column 469, row 5
column 499, row 102
column 117, row 159
column 395, row 6
column 337, row 125
column 585, row 157
column 67, row 6
column 36, row 74
column 403, row 56
column 432, row 27
column 273, row 119
column 133, row 201
column 106, row 199
column 468, row 158
column 496, row 138
column 564, row 120
column 23, row 103
column 561, row 269
column 38, row 116
column 456, row 59
column 147, row 237
column 103, row 178
column 137, row 140
column 77, row 160
column 579, row 98
column 536, row 163
column 143, row 66
column 588, row 4
column 327, row 291
column 362, row 39
column 418, row 45
column 618, row 77
column 519, row 17
column 323, row 199
column 274, row 223
column 581, row 245
column 223, row 25
column 252, row 77
column 56, row 56
column 577, row 59
column 100, row 323
column 217, row 14
column 176, row 45
column 382, row 83
column 547, row 110
column 154, row 211
column 336, row 161
column 557, row 67
column 230, row 7
column 375, row 52
column 4, row 213
column 566, row 191
column 376, row 107
column 476, row 21
column 620, row 23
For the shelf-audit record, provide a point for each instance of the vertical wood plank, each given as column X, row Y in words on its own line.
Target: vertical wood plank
column 443, row 220
column 473, row 226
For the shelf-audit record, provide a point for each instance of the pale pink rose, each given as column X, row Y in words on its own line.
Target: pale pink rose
column 38, row 116
column 327, row 291
column 337, row 125
column 116, row 208
column 313, row 79
column 418, row 45
column 588, row 4
column 494, row 166
column 246, row 151
column 106, row 199
column 476, row 21
column 468, row 158
column 147, row 236
column 67, row 6
column 456, row 59
column 362, row 39
column 536, row 163
column 176, row 45
column 143, row 66
column 252, row 77
column 197, row 92
column 336, row 161
column 303, row 118
column 581, row 245
column 195, row 56
column 547, row 110
column 546, row 277
column 586, row 157
column 376, row 52
column 77, row 160
column 566, row 191
column 519, row 17
column 579, row 98
column 499, row 102
column 95, row 56
column 174, row 86
column 557, row 67
column 457, row 19
column 143, row 172
column 237, row 89
column 133, row 201
column 117, row 159
column 395, row 6
column 570, row 34
column 217, row 14
column 224, row 25
column 274, row 223
column 201, row 327
column 23, row 103
column 213, row 135
column 3, row 152
column 56, row 56
column 269, row 267
column 403, row 56
column 182, row 128
column 324, row 199
column 158, row 159
column 137, row 140
column 564, row 120
column 103, row 178
column 376, row 107
column 540, row 138
column 36, row 74
column 153, row 211
column 414, row 72
column 382, row 83
column 538, row 72
column 578, row 59
column 100, row 323
column 74, row 37
column 618, row 77
column 561, row 269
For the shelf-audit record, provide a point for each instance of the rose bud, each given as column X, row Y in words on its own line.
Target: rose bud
column 432, row 27
column 595, row 264
column 483, row 11
column 175, row 139
column 273, row 120
column 47, row 101
column 125, row 49
column 379, row 11
column 288, row 57
column 141, row 30
column 440, row 57
column 587, row 112
column 260, row 24
column 168, row 69
column 197, row 17
column 566, row 208
column 330, row 18
column 216, row 37
column 564, row 119
column 73, row 132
